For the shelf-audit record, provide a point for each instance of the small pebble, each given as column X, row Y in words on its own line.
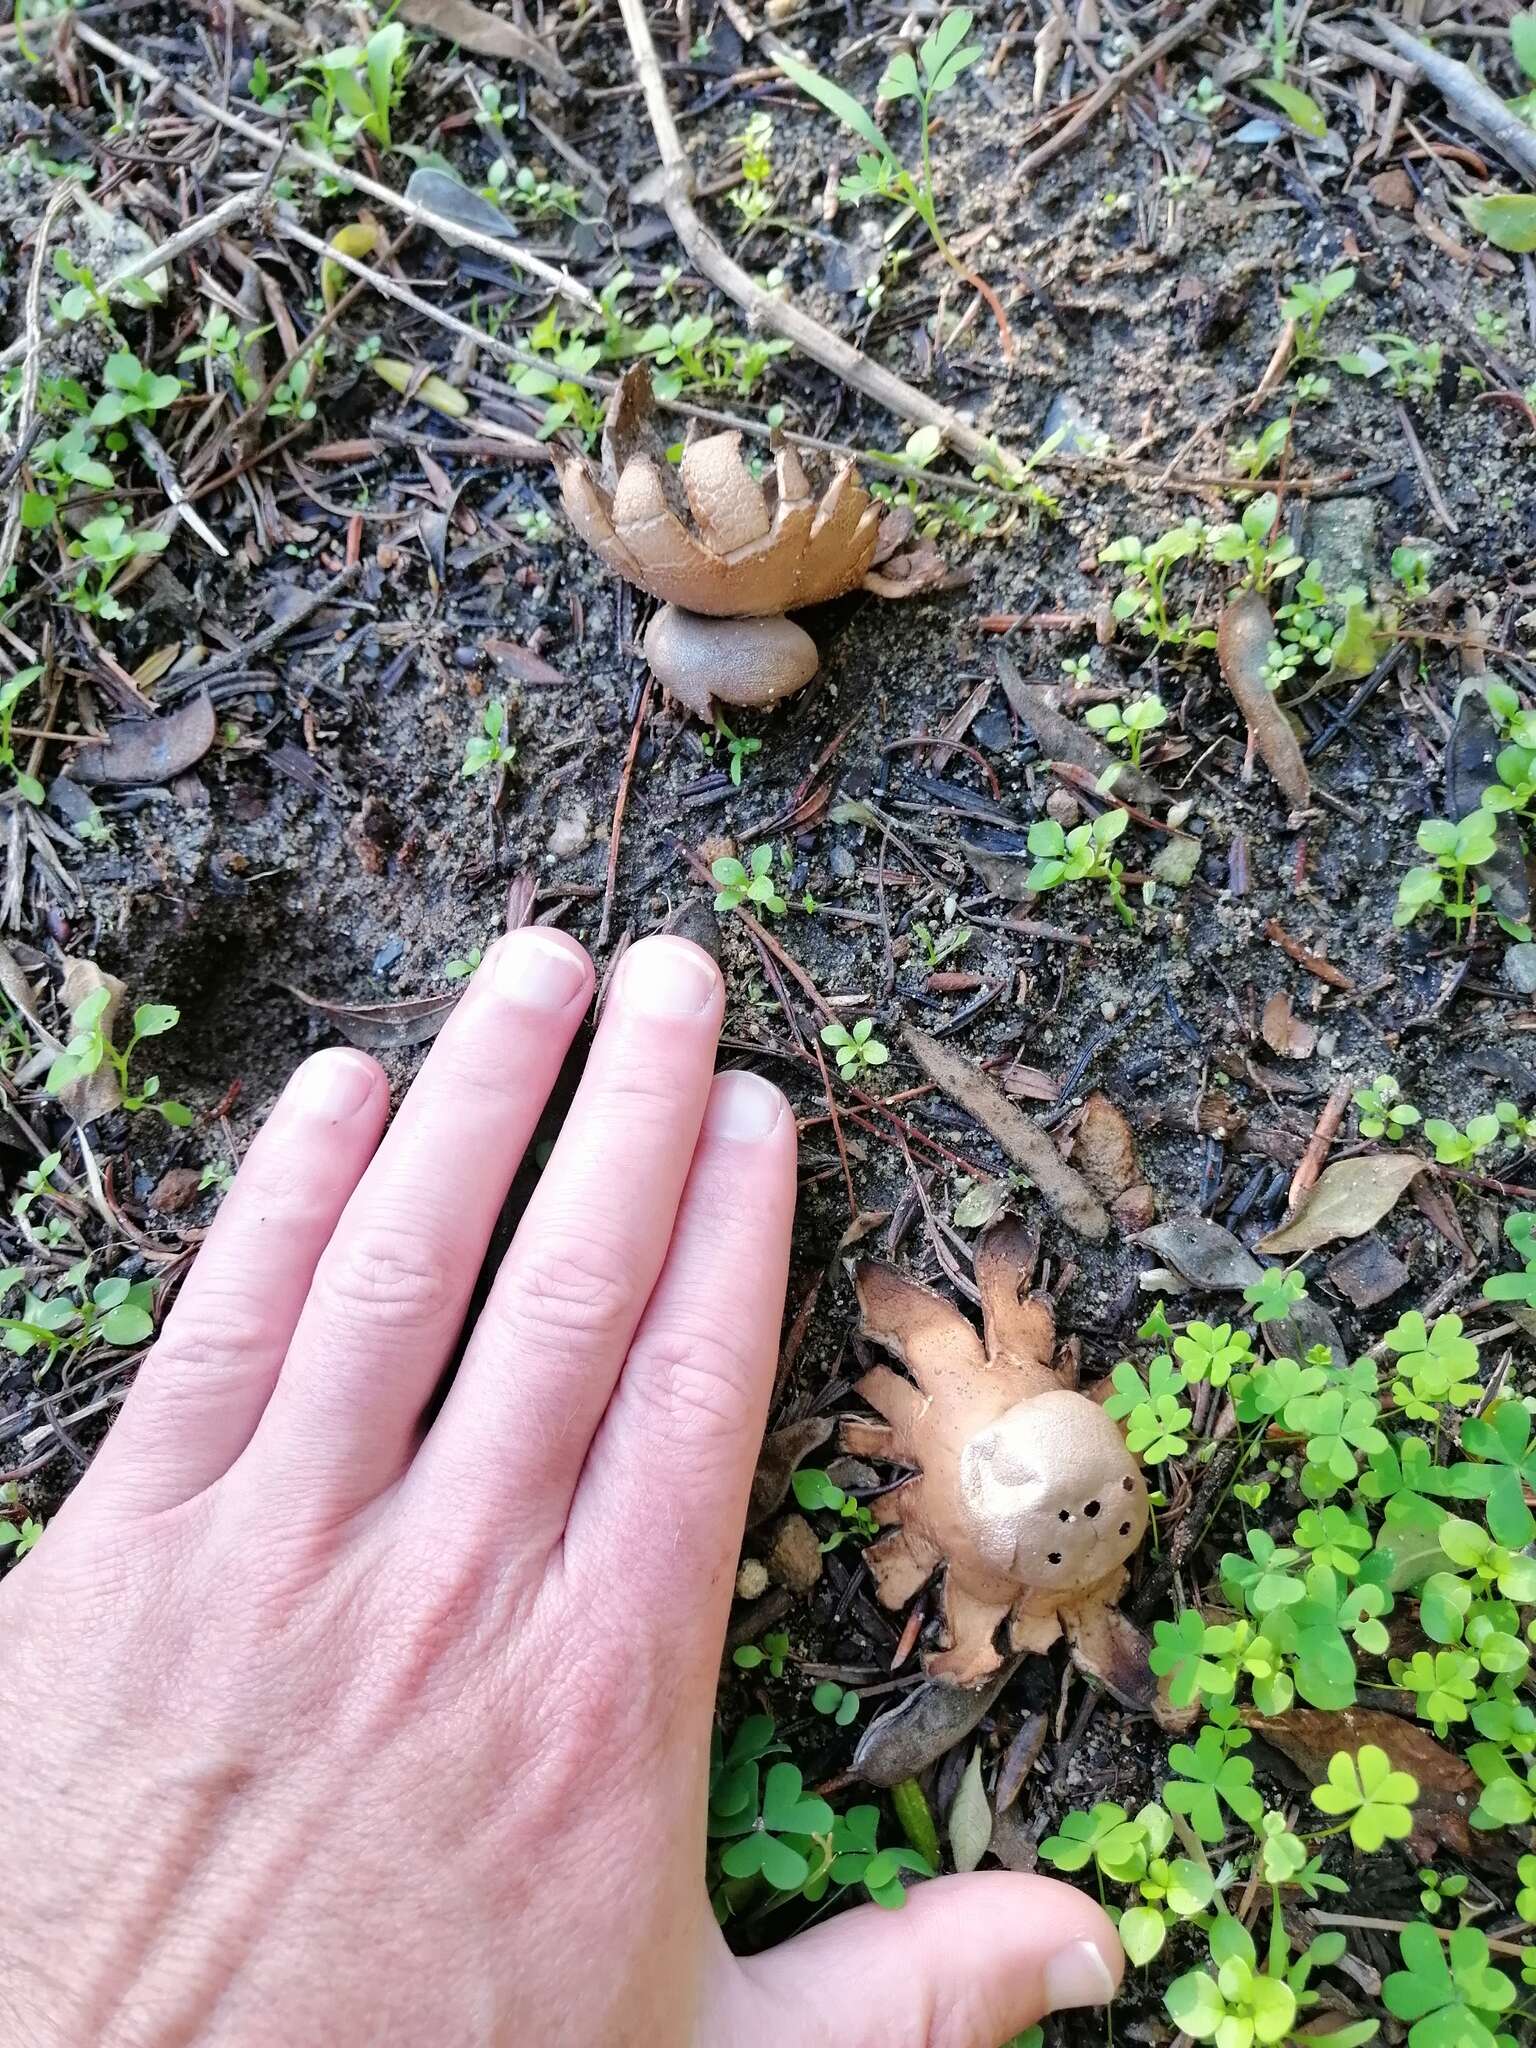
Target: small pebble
column 751, row 1579
column 794, row 1554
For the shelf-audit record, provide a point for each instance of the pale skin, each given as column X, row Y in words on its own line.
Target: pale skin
column 321, row 1724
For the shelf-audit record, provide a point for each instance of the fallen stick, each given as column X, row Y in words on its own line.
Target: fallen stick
column 1149, row 54
column 1061, row 1187
column 282, row 147
column 1476, row 105
column 780, row 316
column 1242, row 643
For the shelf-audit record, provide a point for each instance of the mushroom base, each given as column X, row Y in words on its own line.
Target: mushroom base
column 746, row 662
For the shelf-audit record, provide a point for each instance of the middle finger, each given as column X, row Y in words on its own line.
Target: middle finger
column 551, row 1340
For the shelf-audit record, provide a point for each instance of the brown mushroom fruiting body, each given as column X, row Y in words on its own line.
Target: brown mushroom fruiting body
column 727, row 554
column 1022, row 1489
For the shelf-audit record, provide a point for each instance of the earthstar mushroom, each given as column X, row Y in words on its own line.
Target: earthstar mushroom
column 750, row 551
column 1021, row 1488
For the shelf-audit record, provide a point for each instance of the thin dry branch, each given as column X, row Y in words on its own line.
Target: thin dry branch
column 1193, row 18
column 1476, row 105
column 781, row 316
column 279, row 145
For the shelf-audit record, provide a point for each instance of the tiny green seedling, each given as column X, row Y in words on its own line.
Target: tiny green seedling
column 1520, row 1286
column 489, row 747
column 1383, row 1112
column 817, row 1492
column 1078, row 669
column 1129, row 725
column 222, row 345
column 11, row 693
column 829, row 1698
column 770, row 1655
column 89, row 1049
column 1308, row 305
column 1145, row 567
column 857, row 1050
column 1456, row 847
column 1081, row 855
column 753, row 197
column 107, row 545
column 460, row 968
column 1267, row 557
column 942, row 58
column 739, row 884
column 1412, row 369
column 358, row 90
column 1257, row 454
column 294, row 396
column 1410, row 568
column 132, row 391
column 936, row 951
column 738, row 750
column 85, row 295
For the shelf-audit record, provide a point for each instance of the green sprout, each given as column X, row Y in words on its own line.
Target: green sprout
column 738, row 884
column 1129, row 726
column 1308, row 306
column 1081, row 855
column 1146, row 567
column 1412, row 368
column 941, row 60
column 132, row 391
column 107, row 546
column 1410, row 568
column 857, row 1050
column 1275, row 1293
column 11, row 693
column 1265, row 560
column 1446, row 883
column 489, row 747
column 1383, row 1112
column 90, row 1048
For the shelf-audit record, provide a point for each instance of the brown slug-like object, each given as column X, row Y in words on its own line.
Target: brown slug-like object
column 750, row 553
column 1022, row 1489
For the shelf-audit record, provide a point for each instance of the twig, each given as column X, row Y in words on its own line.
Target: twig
column 618, row 812
column 423, row 216
column 32, row 343
column 163, row 253
column 774, row 315
column 242, row 657
column 1149, row 54
column 1327, row 1129
column 1442, row 511
column 1476, row 105
column 1314, row 963
column 1502, row 1948
column 170, row 483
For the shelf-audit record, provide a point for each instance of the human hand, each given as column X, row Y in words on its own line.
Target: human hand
column 323, row 1726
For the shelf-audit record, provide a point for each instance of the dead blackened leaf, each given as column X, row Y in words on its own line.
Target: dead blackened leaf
column 1243, row 643
column 782, row 1452
column 143, row 750
column 1284, row 1032
column 1202, row 1253
column 1023, row 1140
column 1367, row 1273
column 382, row 1027
column 1350, row 1198
column 522, row 662
column 1103, row 1149
column 474, row 28
column 929, row 1722
column 1448, row 1788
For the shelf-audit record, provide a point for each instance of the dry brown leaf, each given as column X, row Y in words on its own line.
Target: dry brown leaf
column 1448, row 1788
column 1025, row 1143
column 1242, row 645
column 95, row 1094
column 145, row 750
column 1103, row 1149
column 473, row 28
column 1350, row 1198
column 382, row 1026
column 1284, row 1032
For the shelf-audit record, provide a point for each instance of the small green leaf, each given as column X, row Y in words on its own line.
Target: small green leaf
column 1299, row 108
column 1508, row 219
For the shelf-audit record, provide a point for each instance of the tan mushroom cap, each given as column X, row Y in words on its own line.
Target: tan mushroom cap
column 1052, row 1496
column 749, row 551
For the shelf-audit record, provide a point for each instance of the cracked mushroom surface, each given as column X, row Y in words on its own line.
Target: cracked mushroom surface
column 727, row 554
column 1021, row 1489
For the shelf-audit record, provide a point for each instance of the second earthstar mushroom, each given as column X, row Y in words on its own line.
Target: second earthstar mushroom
column 727, row 554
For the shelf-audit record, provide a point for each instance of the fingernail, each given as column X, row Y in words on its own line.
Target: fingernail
column 743, row 1107
column 669, row 978
column 333, row 1084
column 1078, row 1975
column 537, row 971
